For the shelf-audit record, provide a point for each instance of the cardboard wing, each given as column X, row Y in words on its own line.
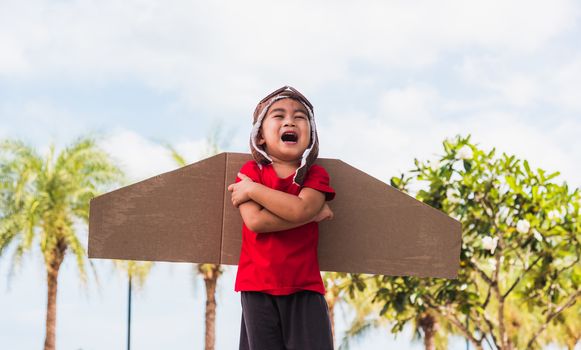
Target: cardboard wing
column 186, row 215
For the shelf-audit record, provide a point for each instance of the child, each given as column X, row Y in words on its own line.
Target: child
column 281, row 196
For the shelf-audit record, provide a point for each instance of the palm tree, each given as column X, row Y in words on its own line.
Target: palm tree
column 41, row 200
column 209, row 272
column 434, row 330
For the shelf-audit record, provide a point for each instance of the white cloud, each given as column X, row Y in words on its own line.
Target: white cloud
column 508, row 83
column 385, row 148
column 518, row 84
column 513, row 26
column 519, row 90
column 141, row 158
column 37, row 118
column 411, row 105
column 192, row 150
column 542, row 145
column 206, row 52
column 378, row 148
column 565, row 84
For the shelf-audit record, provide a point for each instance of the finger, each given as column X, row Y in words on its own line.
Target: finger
column 244, row 177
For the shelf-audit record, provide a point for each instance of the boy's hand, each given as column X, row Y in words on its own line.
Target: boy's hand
column 325, row 214
column 241, row 190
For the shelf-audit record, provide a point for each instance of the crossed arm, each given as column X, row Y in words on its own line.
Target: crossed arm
column 260, row 219
column 264, row 209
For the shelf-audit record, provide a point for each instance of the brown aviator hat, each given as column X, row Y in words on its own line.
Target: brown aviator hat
column 312, row 151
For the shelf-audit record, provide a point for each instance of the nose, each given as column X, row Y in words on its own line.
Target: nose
column 289, row 122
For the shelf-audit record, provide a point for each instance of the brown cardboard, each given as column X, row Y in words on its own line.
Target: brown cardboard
column 186, row 215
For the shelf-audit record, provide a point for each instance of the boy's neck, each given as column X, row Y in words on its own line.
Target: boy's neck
column 285, row 168
column 286, row 163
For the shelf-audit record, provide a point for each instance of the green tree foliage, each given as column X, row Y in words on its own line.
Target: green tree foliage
column 359, row 292
column 44, row 199
column 519, row 265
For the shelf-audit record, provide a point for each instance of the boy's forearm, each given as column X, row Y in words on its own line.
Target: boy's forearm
column 284, row 205
column 266, row 221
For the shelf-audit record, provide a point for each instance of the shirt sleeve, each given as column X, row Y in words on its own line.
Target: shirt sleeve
column 251, row 170
column 318, row 179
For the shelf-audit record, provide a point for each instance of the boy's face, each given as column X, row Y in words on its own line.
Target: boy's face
column 285, row 130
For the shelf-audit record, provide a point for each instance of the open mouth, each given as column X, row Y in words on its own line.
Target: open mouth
column 289, row 137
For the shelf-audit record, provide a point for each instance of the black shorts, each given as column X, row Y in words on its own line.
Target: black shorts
column 299, row 321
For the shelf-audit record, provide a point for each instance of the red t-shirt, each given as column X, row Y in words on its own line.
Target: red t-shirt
column 282, row 262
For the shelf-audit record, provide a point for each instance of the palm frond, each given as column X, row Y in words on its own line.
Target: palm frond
column 175, row 155
column 10, row 227
column 20, row 150
column 40, row 197
column 137, row 270
column 78, row 250
column 95, row 276
column 19, row 166
column 357, row 331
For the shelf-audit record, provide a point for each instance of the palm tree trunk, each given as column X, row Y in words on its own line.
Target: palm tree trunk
column 53, row 260
column 211, row 280
column 429, row 325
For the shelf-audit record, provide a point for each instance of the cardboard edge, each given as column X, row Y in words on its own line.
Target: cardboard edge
column 224, row 194
column 93, row 222
column 152, row 177
column 407, row 194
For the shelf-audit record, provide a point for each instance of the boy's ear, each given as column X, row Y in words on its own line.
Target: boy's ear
column 261, row 139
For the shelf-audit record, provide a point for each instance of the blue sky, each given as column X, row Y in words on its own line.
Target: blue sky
column 389, row 81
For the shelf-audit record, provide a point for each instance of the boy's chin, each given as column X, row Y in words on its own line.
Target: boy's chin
column 287, row 156
column 284, row 150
